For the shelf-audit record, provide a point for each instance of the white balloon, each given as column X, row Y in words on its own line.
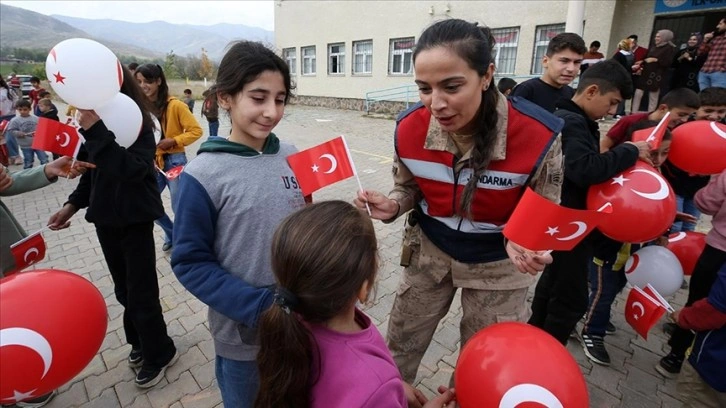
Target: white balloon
column 122, row 116
column 656, row 265
column 83, row 73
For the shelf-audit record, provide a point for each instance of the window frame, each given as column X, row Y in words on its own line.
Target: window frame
column 312, row 58
column 340, row 64
column 286, row 57
column 511, row 44
column 559, row 28
column 367, row 58
column 405, row 53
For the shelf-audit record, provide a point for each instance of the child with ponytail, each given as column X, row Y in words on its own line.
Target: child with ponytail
column 317, row 348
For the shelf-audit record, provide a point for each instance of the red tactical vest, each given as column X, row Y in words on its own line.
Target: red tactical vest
column 500, row 186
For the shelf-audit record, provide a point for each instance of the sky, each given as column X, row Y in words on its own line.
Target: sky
column 250, row 13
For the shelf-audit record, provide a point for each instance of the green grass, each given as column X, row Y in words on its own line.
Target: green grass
column 177, row 87
column 8, row 67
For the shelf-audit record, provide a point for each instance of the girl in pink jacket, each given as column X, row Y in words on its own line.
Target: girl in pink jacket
column 710, row 200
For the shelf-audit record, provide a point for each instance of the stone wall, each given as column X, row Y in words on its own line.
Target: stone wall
column 392, row 108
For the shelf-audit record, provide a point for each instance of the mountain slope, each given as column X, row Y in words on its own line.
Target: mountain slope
column 27, row 29
column 162, row 37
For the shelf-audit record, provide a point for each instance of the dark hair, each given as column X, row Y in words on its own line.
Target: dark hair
column 34, row 79
column 681, row 98
column 4, row 84
column 475, row 45
column 644, row 124
column 321, row 255
column 22, row 103
column 188, row 91
column 132, row 66
column 506, row 84
column 131, row 88
column 609, row 76
column 566, row 41
column 43, row 93
column 152, row 72
column 595, row 44
column 243, row 63
column 713, row 96
column 633, row 37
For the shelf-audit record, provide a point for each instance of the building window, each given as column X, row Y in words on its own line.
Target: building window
column 336, row 58
column 290, row 56
column 542, row 38
column 506, row 49
column 400, row 56
column 308, row 60
column 363, row 57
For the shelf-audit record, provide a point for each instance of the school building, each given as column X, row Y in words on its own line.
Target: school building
column 341, row 52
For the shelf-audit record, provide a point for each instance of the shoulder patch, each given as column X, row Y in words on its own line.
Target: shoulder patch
column 538, row 113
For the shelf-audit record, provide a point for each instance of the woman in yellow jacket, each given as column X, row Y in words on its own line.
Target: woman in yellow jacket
column 179, row 128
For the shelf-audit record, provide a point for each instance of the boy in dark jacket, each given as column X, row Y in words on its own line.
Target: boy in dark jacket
column 561, row 297
column 701, row 382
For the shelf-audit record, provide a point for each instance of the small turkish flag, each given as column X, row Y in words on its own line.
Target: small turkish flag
column 321, row 165
column 653, row 135
column 3, row 125
column 653, row 293
column 642, row 311
column 539, row 224
column 56, row 137
column 28, row 251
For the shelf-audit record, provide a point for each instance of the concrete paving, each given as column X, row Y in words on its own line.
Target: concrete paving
column 107, row 382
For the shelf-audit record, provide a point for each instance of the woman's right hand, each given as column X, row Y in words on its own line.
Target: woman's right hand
column 61, row 219
column 6, row 180
column 381, row 207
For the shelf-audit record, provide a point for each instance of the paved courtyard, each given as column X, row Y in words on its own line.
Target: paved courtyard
column 107, row 382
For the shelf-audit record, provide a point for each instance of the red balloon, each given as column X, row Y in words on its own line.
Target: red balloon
column 508, row 364
column 699, row 147
column 687, row 246
column 52, row 323
column 643, row 204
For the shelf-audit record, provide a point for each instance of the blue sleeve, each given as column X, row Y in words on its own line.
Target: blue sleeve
column 717, row 296
column 195, row 263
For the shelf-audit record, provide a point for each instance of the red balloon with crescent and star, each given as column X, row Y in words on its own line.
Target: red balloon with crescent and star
column 699, row 147
column 687, row 247
column 643, row 204
column 52, row 323
column 515, row 365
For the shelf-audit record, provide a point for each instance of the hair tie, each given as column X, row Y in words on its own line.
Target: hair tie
column 285, row 299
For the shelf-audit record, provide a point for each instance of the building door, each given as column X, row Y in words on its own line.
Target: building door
column 685, row 24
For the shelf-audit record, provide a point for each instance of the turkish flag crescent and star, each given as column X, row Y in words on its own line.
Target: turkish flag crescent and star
column 56, row 137
column 654, row 136
column 28, row 251
column 642, row 311
column 321, row 165
column 539, row 224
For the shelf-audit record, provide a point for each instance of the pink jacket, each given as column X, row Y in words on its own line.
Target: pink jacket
column 711, row 200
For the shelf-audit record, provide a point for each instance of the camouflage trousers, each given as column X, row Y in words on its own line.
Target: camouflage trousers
column 694, row 392
column 492, row 292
